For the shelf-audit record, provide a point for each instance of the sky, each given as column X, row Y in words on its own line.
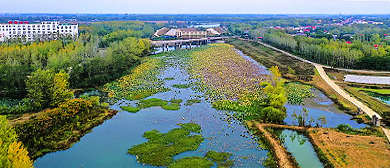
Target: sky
column 197, row 6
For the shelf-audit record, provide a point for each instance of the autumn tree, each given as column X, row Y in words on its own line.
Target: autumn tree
column 276, row 98
column 12, row 153
column 60, row 89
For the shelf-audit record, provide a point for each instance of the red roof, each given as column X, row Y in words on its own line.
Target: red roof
column 348, row 42
column 306, row 30
column 20, row 22
column 376, row 45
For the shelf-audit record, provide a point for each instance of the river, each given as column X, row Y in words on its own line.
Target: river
column 106, row 145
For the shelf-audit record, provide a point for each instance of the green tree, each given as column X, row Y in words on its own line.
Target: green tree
column 39, row 87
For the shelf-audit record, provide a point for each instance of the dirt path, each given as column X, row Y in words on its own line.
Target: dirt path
column 280, row 152
column 24, row 118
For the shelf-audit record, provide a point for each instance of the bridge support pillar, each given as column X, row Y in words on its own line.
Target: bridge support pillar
column 376, row 121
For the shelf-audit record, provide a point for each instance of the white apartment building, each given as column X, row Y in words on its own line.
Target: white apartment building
column 43, row 30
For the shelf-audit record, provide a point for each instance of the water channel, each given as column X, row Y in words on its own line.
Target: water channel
column 300, row 147
column 107, row 144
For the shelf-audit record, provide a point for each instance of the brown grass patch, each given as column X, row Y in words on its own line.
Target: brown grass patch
column 345, row 150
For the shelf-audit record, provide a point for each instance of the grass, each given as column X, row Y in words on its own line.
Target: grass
column 191, row 102
column 182, row 86
column 367, row 131
column 151, row 103
column 344, row 150
column 377, row 91
column 375, row 104
column 160, row 148
column 130, row 109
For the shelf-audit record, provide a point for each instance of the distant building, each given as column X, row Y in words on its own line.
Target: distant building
column 189, row 33
column 44, row 30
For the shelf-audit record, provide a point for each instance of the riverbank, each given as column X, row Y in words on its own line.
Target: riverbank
column 334, row 148
column 58, row 129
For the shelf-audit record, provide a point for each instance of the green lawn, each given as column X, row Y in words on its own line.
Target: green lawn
column 378, row 91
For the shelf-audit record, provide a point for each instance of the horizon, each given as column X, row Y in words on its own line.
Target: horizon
column 327, row 7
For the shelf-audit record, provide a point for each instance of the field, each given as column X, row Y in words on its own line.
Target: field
column 352, row 150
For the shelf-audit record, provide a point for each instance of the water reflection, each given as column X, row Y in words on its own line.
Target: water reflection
column 300, row 148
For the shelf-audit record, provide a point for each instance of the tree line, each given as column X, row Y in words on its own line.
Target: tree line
column 360, row 54
column 86, row 61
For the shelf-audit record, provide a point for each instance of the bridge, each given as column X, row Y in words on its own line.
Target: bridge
column 187, row 42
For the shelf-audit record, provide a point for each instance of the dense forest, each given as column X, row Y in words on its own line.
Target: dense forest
column 372, row 54
column 103, row 52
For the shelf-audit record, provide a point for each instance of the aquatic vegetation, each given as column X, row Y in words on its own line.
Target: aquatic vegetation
column 178, row 101
column 190, row 102
column 221, row 158
column 172, row 106
column 182, row 86
column 151, row 103
column 218, row 156
column 160, row 148
column 297, row 92
column 192, row 127
column 223, row 73
column 141, row 83
column 130, row 109
column 169, row 78
column 195, row 161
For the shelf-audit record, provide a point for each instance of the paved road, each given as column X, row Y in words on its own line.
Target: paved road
column 335, row 87
column 387, row 132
